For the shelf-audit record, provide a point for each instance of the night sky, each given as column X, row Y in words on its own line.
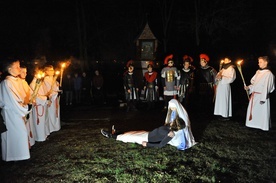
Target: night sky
column 32, row 28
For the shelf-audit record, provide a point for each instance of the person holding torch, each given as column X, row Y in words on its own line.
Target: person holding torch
column 223, row 102
column 39, row 102
column 51, row 87
column 262, row 84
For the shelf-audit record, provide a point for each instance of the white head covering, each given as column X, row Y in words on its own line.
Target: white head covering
column 187, row 132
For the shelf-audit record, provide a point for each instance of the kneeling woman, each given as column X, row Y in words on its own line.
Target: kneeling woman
column 175, row 132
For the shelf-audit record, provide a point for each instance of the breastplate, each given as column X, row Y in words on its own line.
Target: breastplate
column 170, row 76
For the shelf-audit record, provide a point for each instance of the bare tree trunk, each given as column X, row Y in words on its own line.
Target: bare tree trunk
column 79, row 31
column 166, row 14
column 196, row 24
column 82, row 34
column 85, row 56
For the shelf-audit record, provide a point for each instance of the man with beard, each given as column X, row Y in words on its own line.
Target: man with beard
column 170, row 80
column 223, row 103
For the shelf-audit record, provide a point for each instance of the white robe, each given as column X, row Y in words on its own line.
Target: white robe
column 133, row 137
column 184, row 138
column 262, row 83
column 29, row 122
column 53, row 111
column 223, row 103
column 15, row 145
column 39, row 114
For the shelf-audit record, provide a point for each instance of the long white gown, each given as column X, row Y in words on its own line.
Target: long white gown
column 39, row 111
column 53, row 111
column 223, row 103
column 15, row 145
column 258, row 115
column 29, row 122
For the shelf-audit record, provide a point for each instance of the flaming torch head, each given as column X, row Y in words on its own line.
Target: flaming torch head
column 239, row 62
column 63, row 65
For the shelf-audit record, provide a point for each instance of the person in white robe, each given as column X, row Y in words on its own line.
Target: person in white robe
column 28, row 118
column 15, row 145
column 262, row 84
column 181, row 139
column 51, row 86
column 223, row 100
column 40, row 102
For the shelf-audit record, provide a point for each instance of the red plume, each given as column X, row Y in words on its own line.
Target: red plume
column 187, row 57
column 169, row 57
column 204, row 56
column 151, row 63
column 130, row 62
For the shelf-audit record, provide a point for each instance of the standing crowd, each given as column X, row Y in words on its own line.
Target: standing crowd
column 204, row 88
column 31, row 111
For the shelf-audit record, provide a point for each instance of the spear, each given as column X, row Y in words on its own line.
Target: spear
column 240, row 69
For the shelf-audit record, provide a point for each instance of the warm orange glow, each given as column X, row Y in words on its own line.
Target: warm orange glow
column 40, row 75
column 221, row 62
column 63, row 65
column 239, row 62
column 57, row 73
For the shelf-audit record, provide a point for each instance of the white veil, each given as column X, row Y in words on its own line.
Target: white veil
column 186, row 132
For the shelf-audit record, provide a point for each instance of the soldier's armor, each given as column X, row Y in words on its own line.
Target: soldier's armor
column 170, row 76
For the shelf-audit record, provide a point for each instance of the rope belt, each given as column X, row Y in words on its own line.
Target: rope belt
column 37, row 114
column 251, row 107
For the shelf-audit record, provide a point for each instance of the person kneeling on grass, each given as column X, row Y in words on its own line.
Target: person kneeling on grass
column 175, row 132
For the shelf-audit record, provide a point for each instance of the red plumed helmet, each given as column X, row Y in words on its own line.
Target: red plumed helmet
column 129, row 63
column 187, row 57
column 151, row 64
column 204, row 56
column 169, row 57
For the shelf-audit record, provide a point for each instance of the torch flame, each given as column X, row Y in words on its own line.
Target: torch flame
column 40, row 74
column 239, row 62
column 57, row 73
column 63, row 65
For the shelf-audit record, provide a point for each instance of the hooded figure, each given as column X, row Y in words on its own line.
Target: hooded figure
column 184, row 138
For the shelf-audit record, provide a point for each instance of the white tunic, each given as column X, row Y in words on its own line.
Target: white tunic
column 15, row 144
column 39, row 114
column 223, row 103
column 29, row 122
column 53, row 111
column 258, row 115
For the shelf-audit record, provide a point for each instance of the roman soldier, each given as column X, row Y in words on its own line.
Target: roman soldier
column 186, row 83
column 130, row 86
column 170, row 79
column 205, row 78
column 151, row 85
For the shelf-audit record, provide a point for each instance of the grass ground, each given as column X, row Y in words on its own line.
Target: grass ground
column 226, row 152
